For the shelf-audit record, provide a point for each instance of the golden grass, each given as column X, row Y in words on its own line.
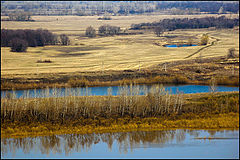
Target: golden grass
column 89, row 114
column 77, row 24
column 108, row 53
column 220, row 121
column 113, row 53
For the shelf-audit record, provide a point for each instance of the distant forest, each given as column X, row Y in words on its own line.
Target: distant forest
column 82, row 8
column 185, row 23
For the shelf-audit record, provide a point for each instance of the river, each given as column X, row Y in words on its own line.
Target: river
column 178, row 143
column 115, row 90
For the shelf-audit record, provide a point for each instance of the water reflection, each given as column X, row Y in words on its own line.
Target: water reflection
column 126, row 141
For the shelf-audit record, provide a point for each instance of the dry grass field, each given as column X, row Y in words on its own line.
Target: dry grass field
column 109, row 53
column 74, row 25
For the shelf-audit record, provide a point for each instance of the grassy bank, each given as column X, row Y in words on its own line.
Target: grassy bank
column 83, row 82
column 155, row 110
column 202, row 121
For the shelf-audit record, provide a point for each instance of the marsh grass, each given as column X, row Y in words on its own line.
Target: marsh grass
column 83, row 82
column 74, row 105
column 77, row 104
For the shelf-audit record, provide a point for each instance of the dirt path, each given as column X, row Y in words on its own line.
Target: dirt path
column 213, row 42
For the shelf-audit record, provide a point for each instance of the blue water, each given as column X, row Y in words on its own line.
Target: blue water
column 176, row 46
column 178, row 143
column 101, row 91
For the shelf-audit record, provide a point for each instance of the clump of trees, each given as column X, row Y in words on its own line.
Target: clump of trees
column 90, row 32
column 64, row 40
column 185, row 23
column 19, row 40
column 107, row 30
column 18, row 45
column 204, row 39
column 34, row 38
column 105, row 17
column 21, row 16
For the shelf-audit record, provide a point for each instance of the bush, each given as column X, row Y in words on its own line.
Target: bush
column 231, row 53
column 104, row 18
column 204, row 39
column 64, row 40
column 90, row 32
column 18, row 45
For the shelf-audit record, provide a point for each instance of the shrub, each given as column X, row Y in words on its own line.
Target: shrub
column 104, row 18
column 231, row 53
column 44, row 61
column 18, row 45
column 90, row 32
column 64, row 40
column 204, row 39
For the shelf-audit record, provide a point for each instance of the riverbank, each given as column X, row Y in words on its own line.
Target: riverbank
column 196, row 71
column 46, row 116
column 217, row 121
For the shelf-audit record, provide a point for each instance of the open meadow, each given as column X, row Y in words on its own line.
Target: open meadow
column 114, row 53
column 152, row 78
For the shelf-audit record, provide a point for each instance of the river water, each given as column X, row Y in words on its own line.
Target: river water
column 178, row 143
column 115, row 90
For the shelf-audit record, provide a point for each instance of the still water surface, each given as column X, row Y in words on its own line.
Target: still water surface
column 178, row 143
column 100, row 91
column 182, row 45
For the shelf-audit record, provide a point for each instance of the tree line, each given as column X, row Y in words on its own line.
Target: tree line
column 207, row 6
column 19, row 16
column 19, row 39
column 185, row 23
column 83, row 8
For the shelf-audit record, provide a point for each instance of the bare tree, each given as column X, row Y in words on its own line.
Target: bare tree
column 190, row 41
column 158, row 30
column 90, row 32
column 20, row 16
column 213, row 87
column 64, row 40
column 231, row 53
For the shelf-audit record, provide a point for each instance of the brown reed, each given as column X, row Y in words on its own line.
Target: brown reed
column 72, row 106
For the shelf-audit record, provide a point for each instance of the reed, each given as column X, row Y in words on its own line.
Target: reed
column 73, row 106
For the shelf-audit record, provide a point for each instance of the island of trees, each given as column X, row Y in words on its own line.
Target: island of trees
column 19, row 40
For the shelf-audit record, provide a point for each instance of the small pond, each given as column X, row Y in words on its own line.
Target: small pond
column 181, row 45
column 180, row 143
